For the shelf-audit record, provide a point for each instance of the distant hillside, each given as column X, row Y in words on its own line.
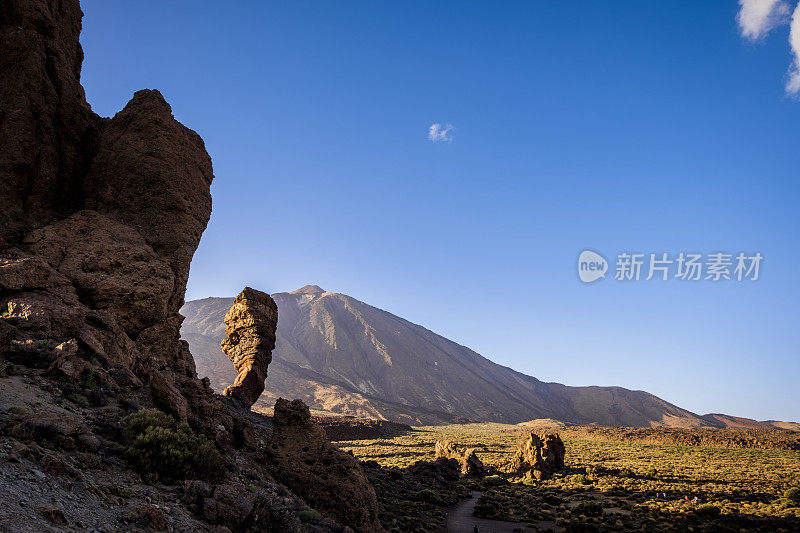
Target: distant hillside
column 341, row 355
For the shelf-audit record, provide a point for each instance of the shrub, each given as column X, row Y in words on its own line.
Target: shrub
column 793, row 494
column 529, row 481
column 307, row 516
column 428, row 496
column 579, row 479
column 494, row 480
column 138, row 422
column 589, row 509
column 651, row 472
column 707, row 510
column 168, row 450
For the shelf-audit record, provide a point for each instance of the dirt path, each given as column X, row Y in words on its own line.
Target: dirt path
column 460, row 520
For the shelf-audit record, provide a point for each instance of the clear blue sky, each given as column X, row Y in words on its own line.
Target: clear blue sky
column 632, row 126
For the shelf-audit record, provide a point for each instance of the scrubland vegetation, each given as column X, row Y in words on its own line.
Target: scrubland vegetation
column 615, row 480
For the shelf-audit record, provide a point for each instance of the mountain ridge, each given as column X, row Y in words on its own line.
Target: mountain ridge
column 342, row 355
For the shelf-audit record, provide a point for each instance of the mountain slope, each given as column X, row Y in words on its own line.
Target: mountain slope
column 342, row 355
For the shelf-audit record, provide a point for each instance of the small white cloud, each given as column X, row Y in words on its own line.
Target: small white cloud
column 439, row 133
column 793, row 85
column 757, row 17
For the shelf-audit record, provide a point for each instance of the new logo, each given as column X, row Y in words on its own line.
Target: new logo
column 591, row 266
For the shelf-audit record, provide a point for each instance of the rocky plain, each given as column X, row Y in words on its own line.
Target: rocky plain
column 106, row 426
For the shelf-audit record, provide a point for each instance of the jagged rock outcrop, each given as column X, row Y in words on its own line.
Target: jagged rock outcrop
column 329, row 479
column 539, row 457
column 101, row 216
column 249, row 340
column 467, row 459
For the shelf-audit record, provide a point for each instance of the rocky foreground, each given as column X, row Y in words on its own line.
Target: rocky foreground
column 105, row 425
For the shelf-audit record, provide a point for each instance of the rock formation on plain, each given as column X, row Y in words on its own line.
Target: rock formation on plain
column 99, row 223
column 467, row 458
column 249, row 340
column 539, row 457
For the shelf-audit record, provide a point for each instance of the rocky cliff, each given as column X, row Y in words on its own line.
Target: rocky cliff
column 100, row 220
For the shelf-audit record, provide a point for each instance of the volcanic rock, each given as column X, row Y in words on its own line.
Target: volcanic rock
column 539, row 457
column 250, row 338
column 329, row 479
column 100, row 217
column 468, row 461
column 48, row 132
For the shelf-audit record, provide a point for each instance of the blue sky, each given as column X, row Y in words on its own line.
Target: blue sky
column 630, row 126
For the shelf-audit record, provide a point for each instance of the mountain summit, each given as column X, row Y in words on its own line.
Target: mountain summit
column 314, row 290
column 342, row 355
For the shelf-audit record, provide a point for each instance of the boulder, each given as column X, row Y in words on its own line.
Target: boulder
column 539, row 457
column 330, row 480
column 228, row 506
column 468, row 461
column 249, row 340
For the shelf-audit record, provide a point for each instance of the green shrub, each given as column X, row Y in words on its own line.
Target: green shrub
column 651, row 472
column 707, row 510
column 793, row 494
column 579, row 479
column 307, row 516
column 170, row 451
column 494, row 480
column 529, row 481
column 428, row 496
column 136, row 424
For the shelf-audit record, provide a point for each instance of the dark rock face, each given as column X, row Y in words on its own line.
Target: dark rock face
column 539, row 457
column 302, row 457
column 468, row 461
column 250, row 338
column 153, row 173
column 48, row 132
column 101, row 217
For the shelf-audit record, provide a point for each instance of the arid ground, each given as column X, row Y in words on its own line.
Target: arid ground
column 616, row 479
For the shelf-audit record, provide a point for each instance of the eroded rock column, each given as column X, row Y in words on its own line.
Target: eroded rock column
column 250, row 338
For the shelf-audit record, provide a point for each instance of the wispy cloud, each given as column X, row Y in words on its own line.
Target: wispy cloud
column 757, row 17
column 438, row 133
column 793, row 84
